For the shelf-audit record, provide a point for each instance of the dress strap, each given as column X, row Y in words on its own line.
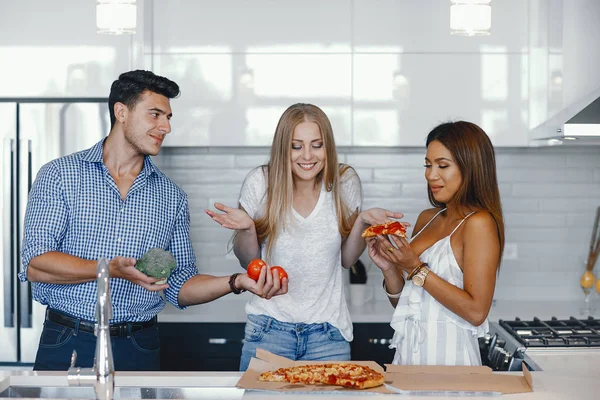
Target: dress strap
column 427, row 224
column 463, row 220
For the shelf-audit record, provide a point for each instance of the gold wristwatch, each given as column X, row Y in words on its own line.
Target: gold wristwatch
column 419, row 278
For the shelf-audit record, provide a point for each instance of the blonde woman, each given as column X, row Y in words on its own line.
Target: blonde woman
column 301, row 211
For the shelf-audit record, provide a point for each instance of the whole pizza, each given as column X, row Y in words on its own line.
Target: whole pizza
column 340, row 374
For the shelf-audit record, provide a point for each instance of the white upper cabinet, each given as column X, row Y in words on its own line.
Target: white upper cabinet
column 384, row 71
column 240, row 64
column 423, row 26
column 51, row 49
column 410, row 73
column 255, row 26
column 237, row 99
column 399, row 98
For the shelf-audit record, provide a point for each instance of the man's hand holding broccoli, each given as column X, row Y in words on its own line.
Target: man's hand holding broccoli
column 150, row 271
column 157, row 263
column 124, row 268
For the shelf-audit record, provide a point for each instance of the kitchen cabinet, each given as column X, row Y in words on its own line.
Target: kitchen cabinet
column 200, row 346
column 237, row 100
column 371, row 342
column 385, row 75
column 51, row 49
column 386, row 26
column 217, row 346
column 399, row 98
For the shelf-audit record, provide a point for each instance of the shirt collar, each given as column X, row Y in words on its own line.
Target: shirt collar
column 94, row 155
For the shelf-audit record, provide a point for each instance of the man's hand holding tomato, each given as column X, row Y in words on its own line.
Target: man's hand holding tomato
column 265, row 282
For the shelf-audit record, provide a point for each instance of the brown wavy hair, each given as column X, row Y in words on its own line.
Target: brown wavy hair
column 474, row 154
column 280, row 181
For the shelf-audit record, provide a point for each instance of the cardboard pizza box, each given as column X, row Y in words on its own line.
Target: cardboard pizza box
column 456, row 379
column 398, row 378
column 267, row 361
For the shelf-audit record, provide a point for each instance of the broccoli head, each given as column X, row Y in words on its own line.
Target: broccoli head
column 157, row 263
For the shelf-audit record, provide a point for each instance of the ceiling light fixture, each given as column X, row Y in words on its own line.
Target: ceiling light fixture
column 116, row 17
column 470, row 17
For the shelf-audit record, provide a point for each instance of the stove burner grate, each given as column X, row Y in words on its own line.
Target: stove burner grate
column 570, row 332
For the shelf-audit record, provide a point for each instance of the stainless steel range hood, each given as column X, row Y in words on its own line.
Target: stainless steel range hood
column 578, row 124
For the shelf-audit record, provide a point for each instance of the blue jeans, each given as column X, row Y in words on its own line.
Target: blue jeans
column 308, row 342
column 138, row 352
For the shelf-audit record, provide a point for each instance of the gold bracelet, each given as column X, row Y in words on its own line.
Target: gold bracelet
column 414, row 271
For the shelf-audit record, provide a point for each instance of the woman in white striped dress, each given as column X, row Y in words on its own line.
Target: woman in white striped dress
column 442, row 283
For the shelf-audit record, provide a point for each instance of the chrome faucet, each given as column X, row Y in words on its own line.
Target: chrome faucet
column 102, row 375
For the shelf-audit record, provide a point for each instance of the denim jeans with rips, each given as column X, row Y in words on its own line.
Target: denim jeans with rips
column 308, row 342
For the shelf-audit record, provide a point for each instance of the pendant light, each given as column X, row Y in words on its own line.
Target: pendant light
column 470, row 17
column 116, row 17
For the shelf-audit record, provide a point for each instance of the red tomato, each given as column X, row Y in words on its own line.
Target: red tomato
column 282, row 273
column 254, row 268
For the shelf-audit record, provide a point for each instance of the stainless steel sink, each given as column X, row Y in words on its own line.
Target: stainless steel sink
column 128, row 385
column 73, row 392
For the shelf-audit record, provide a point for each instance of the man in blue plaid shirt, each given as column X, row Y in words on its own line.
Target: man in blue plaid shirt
column 112, row 201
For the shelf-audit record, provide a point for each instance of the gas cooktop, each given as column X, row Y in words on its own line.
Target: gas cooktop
column 555, row 332
column 508, row 343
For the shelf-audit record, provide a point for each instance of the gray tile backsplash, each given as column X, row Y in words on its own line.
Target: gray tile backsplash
column 549, row 197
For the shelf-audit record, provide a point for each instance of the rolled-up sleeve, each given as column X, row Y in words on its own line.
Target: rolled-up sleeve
column 46, row 217
column 182, row 250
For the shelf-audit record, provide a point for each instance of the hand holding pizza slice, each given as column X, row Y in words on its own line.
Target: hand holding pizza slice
column 388, row 228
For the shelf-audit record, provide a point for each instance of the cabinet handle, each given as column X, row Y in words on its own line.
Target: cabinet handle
column 224, row 341
column 382, row 341
column 25, row 164
column 8, row 235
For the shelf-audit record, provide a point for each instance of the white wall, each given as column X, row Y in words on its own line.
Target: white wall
column 549, row 197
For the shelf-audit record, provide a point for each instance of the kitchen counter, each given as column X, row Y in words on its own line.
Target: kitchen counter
column 566, row 375
column 228, row 310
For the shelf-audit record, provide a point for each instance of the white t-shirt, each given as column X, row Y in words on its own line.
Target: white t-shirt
column 310, row 252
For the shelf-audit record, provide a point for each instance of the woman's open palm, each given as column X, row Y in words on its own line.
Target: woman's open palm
column 231, row 218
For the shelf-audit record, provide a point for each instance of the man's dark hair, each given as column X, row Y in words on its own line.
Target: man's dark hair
column 129, row 88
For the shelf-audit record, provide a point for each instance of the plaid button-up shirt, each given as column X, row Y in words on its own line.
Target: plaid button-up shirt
column 75, row 207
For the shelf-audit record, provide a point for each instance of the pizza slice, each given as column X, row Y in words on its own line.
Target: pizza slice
column 338, row 374
column 388, row 228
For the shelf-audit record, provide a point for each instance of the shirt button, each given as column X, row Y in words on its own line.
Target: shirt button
column 123, row 209
column 118, row 239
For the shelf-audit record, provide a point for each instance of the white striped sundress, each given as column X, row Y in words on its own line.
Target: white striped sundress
column 426, row 332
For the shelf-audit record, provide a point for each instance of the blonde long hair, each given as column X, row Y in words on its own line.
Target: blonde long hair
column 280, row 181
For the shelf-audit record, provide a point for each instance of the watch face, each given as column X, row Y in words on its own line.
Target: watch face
column 418, row 280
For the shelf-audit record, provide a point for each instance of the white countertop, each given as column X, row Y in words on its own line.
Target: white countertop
column 567, row 375
column 228, row 310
